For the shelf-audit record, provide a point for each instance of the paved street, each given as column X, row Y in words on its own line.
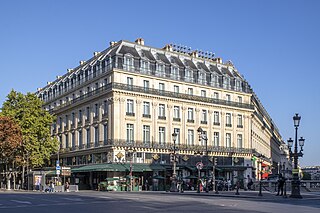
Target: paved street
column 91, row 201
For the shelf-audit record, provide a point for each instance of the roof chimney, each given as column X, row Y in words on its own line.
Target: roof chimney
column 168, row 47
column 58, row 76
column 69, row 70
column 194, row 54
column 112, row 43
column 140, row 41
column 96, row 53
column 218, row 60
column 49, row 82
column 82, row 62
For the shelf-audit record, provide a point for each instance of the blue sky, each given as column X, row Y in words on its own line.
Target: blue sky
column 274, row 44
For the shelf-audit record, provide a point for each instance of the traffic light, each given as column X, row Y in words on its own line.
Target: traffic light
column 253, row 158
column 215, row 161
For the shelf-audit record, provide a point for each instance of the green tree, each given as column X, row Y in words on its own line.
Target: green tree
column 35, row 123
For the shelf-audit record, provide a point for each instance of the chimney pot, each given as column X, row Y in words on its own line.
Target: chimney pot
column 140, row 41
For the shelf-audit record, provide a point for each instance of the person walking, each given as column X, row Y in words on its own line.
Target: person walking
column 280, row 185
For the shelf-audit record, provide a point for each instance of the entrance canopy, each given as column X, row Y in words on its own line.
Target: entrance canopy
column 108, row 167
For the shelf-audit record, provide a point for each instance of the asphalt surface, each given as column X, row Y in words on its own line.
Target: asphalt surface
column 93, row 201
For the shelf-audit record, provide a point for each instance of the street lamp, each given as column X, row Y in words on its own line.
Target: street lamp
column 203, row 136
column 295, row 183
column 173, row 187
column 130, row 150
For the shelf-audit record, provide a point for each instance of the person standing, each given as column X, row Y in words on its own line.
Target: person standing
column 280, row 185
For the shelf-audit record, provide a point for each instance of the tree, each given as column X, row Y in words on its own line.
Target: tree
column 35, row 123
column 10, row 144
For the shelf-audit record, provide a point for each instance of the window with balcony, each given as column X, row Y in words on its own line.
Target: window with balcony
column 216, row 139
column 228, row 97
column 161, row 88
column 146, row 109
column 228, row 139
column 175, row 72
column 190, row 140
column 176, row 89
column 96, row 111
column 128, row 63
column 160, row 69
column 144, row 66
column 176, row 113
column 204, row 116
column 239, row 99
column 162, row 114
column 130, row 133
column 130, row 83
column 177, row 131
column 190, row 115
column 105, row 108
column 228, row 120
column 96, row 136
column 188, row 75
column 130, row 108
column 162, row 134
column 216, row 118
column 146, row 134
column 239, row 141
column 203, row 93
column 80, row 138
column 146, row 85
column 88, row 137
column 239, row 121
column 190, row 91
column 88, row 114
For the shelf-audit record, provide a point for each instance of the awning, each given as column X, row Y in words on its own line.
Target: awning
column 100, row 168
column 138, row 167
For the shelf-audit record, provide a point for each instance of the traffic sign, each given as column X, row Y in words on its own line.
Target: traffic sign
column 58, row 168
column 199, row 165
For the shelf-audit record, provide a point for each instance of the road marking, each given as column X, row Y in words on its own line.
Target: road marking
column 23, row 202
column 73, row 199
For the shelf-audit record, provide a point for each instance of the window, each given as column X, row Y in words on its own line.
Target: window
column 96, row 136
column 228, row 97
column 73, row 118
column 73, row 140
column 105, row 133
column 202, row 141
column 105, row 108
column 190, row 91
column 239, row 99
column 176, row 113
column 238, row 85
column 162, row 111
column 216, row 95
column 239, row 121
column 130, row 82
column 67, row 122
column 177, row 131
column 146, row 134
column 176, row 89
column 96, row 110
column 202, row 77
column 130, row 133
column 175, row 72
column 144, row 66
column 189, row 75
column 161, row 87
column 228, row 120
column 88, row 138
column 146, row 109
column 203, row 93
column 160, row 69
column 228, row 140
column 190, row 137
column 216, row 138
column 162, row 135
column 80, row 116
column 130, row 107
column 128, row 63
column 226, row 82
column 190, row 115
column 146, row 85
column 204, row 116
column 80, row 138
column 239, row 141
column 216, row 119
column 67, row 140
column 88, row 114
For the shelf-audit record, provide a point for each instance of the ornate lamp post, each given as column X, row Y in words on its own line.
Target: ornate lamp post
column 295, row 183
column 203, row 136
column 131, row 151
column 173, row 187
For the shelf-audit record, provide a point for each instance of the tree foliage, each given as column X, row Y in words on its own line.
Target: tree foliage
column 35, row 123
column 10, row 140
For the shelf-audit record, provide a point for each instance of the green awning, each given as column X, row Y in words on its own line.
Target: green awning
column 100, row 168
column 138, row 167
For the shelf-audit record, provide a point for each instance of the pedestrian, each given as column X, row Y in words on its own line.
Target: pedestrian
column 280, row 185
column 249, row 182
column 66, row 186
column 51, row 186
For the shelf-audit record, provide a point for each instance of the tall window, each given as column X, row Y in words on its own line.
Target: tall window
column 144, row 66
column 88, row 137
column 73, row 118
column 161, row 88
column 216, row 119
column 146, row 85
column 130, row 82
column 130, row 110
column 67, row 140
column 239, row 121
column 216, row 95
column 162, row 111
column 189, row 74
column 216, row 139
column 96, row 136
column 204, row 116
column 160, row 69
column 80, row 116
column 128, row 63
column 239, row 141
column 190, row 91
column 228, row 139
column 190, row 137
column 146, row 108
column 175, row 71
column 228, row 120
column 146, row 133
column 162, row 131
column 130, row 133
column 96, row 110
column 228, row 97
column 88, row 114
column 239, row 99
column 80, row 138
column 105, row 133
column 105, row 108
column 203, row 93
column 177, row 131
column 73, row 140
column 190, row 114
column 176, row 89
column 176, row 112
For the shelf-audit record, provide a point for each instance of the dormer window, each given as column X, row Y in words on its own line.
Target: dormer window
column 144, row 65
column 188, row 74
column 238, row 85
column 226, row 82
column 160, row 69
column 128, row 63
column 202, row 77
column 175, row 72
